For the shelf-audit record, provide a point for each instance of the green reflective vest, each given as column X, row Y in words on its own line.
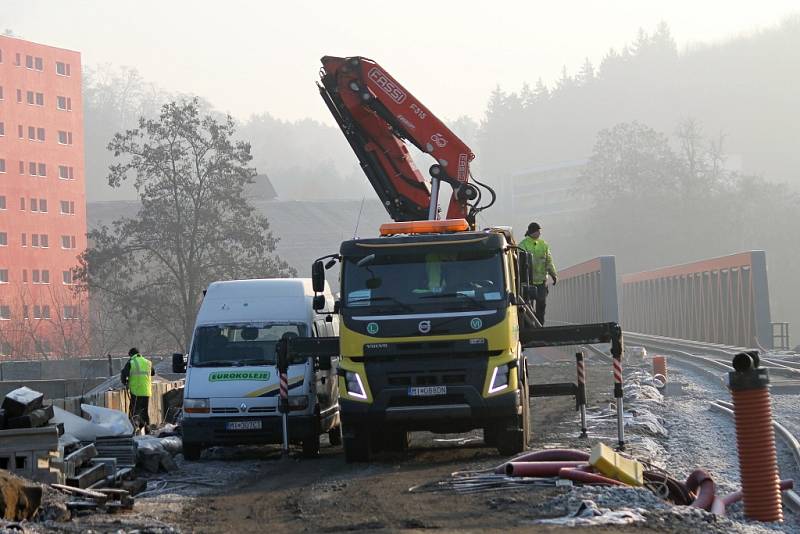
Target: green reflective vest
column 542, row 258
column 139, row 381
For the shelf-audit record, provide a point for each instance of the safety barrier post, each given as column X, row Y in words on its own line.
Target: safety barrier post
column 282, row 350
column 616, row 354
column 580, row 397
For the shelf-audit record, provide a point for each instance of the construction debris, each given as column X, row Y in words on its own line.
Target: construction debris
column 19, row 498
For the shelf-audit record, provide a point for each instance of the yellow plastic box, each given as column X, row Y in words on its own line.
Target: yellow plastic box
column 615, row 466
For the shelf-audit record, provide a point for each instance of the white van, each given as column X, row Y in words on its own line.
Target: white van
column 232, row 384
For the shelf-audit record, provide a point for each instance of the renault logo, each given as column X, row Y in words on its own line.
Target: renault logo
column 424, row 327
column 242, row 407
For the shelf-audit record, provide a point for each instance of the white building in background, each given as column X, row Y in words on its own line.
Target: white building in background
column 545, row 193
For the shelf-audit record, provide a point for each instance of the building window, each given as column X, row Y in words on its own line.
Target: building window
column 3, row 239
column 1, row 92
column 64, row 103
column 40, row 135
column 2, row 165
column 35, row 240
column 70, row 312
column 29, row 62
column 67, row 241
column 32, row 168
column 22, row 203
column 42, row 169
column 35, row 276
column 31, row 133
column 23, row 239
column 5, row 312
column 25, row 276
column 67, row 207
column 38, row 63
column 34, row 203
column 66, row 276
column 37, row 311
column 2, row 202
column 40, row 277
column 22, row 167
column 2, row 128
column 43, row 205
column 64, row 138
column 19, row 132
column 62, row 69
column 43, row 241
column 25, row 314
column 3, row 276
column 29, row 97
column 65, row 173
column 17, row 61
column 19, row 96
column 36, row 99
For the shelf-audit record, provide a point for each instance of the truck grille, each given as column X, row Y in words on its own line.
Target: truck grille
column 453, row 377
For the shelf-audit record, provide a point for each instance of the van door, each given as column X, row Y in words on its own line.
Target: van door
column 327, row 384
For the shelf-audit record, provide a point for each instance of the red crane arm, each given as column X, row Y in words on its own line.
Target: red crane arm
column 376, row 114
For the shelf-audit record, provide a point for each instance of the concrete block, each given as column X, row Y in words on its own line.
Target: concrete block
column 22, row 401
column 93, row 368
column 22, row 370
column 61, row 369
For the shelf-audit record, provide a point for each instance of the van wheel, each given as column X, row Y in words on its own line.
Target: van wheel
column 311, row 446
column 192, row 451
column 356, row 446
column 335, row 435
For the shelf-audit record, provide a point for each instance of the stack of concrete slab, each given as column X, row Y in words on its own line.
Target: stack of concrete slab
column 28, row 443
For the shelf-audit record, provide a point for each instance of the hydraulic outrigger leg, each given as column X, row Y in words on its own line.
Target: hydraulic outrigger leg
column 584, row 334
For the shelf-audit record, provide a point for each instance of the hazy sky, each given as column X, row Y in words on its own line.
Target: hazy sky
column 254, row 56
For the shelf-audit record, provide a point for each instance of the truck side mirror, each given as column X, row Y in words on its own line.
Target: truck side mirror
column 178, row 363
column 318, row 303
column 318, row 276
column 325, row 363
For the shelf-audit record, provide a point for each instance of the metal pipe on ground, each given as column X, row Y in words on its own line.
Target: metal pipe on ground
column 755, row 439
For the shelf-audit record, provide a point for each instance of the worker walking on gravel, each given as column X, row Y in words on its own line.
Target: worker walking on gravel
column 136, row 376
column 542, row 266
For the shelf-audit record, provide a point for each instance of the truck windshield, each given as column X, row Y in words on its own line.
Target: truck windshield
column 410, row 281
column 219, row 346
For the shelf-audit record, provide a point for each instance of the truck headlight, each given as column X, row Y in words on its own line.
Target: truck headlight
column 355, row 388
column 499, row 380
column 298, row 402
column 196, row 405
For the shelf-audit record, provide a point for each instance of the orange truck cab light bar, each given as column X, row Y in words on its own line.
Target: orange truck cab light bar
column 425, row 227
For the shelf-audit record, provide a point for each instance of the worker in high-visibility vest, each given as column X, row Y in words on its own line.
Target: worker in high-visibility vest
column 136, row 376
column 542, row 266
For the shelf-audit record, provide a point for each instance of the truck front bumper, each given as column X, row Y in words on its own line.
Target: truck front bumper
column 462, row 409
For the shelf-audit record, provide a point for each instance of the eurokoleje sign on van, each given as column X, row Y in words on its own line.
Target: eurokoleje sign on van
column 222, row 376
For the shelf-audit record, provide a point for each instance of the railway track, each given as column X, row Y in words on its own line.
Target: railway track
column 713, row 360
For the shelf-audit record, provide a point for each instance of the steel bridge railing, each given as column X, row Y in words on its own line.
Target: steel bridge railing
column 585, row 293
column 719, row 300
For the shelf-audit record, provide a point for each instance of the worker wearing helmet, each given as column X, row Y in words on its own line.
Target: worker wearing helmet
column 542, row 266
column 136, row 376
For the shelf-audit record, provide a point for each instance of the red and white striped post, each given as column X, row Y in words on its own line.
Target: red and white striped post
column 617, row 359
column 284, row 406
column 580, row 398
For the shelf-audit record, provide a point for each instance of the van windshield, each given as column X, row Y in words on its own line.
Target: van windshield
column 226, row 345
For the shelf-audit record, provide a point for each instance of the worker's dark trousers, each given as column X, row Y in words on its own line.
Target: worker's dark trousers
column 541, row 301
column 139, row 406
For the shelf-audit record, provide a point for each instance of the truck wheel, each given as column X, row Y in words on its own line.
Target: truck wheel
column 192, row 452
column 490, row 436
column 335, row 435
column 356, row 447
column 396, row 441
column 513, row 439
column 311, row 446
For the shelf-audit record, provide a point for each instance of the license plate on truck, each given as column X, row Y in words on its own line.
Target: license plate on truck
column 427, row 391
column 243, row 425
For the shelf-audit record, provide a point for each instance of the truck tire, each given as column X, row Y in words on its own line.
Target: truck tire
column 311, row 446
column 396, row 441
column 192, row 451
column 490, row 436
column 356, row 447
column 335, row 435
column 513, row 439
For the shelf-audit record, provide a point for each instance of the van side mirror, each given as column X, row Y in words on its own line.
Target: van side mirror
column 318, row 277
column 337, row 306
column 178, row 363
column 318, row 303
column 325, row 363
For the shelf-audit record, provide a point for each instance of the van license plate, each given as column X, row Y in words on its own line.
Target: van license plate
column 427, row 391
column 243, row 425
